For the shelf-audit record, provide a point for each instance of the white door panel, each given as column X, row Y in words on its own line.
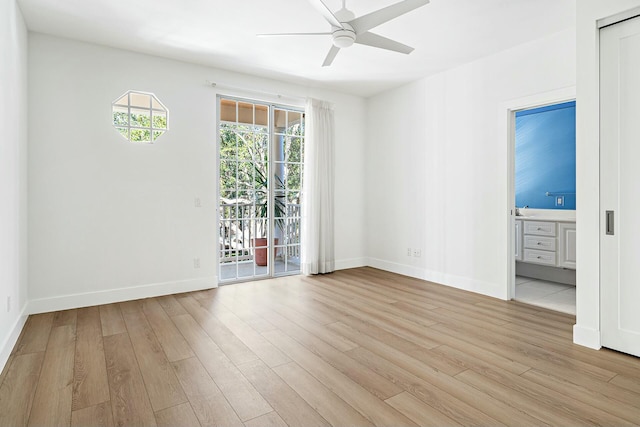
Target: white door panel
column 620, row 185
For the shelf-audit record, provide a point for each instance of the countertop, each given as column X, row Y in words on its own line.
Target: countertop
column 548, row 218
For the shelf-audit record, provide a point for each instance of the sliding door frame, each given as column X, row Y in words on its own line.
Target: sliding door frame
column 271, row 163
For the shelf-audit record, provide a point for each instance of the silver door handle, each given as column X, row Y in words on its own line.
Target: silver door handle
column 610, row 223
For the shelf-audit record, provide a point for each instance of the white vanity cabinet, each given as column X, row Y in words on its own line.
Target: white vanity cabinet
column 540, row 242
column 551, row 243
column 567, row 245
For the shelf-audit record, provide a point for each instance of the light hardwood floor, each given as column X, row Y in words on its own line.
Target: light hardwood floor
column 354, row 348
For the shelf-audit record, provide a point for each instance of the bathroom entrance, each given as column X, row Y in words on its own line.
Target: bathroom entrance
column 544, row 196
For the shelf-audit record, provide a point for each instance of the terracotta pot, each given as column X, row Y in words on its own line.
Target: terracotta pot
column 260, row 254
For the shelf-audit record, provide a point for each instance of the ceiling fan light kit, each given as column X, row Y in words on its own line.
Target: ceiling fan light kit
column 346, row 29
column 344, row 37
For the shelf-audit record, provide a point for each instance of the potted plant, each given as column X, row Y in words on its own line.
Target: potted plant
column 279, row 211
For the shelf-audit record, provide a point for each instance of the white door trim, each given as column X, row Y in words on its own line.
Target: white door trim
column 618, row 17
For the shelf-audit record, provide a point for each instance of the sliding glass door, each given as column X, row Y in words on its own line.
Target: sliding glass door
column 261, row 150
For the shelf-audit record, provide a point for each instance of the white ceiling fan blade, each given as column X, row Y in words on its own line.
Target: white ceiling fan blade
column 371, row 39
column 373, row 19
column 331, row 56
column 326, row 12
column 292, row 34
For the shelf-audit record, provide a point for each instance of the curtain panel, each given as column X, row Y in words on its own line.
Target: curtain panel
column 318, row 252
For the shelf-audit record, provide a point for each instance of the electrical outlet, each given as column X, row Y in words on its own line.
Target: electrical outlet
column 8, row 304
column 559, row 200
column 409, row 252
column 197, row 202
column 417, row 253
column 196, row 263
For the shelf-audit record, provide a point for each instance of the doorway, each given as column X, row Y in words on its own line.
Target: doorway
column 260, row 152
column 543, row 217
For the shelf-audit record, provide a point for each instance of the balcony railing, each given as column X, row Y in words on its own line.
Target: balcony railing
column 240, row 224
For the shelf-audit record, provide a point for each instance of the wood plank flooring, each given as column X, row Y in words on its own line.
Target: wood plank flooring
column 358, row 347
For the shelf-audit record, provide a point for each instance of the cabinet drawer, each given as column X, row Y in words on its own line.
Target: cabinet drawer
column 539, row 242
column 540, row 228
column 540, row 257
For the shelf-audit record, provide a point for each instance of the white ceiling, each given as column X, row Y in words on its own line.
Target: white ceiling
column 222, row 34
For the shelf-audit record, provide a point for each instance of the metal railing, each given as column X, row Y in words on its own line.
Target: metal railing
column 240, row 225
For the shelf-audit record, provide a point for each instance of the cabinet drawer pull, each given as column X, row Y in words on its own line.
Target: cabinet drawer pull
column 539, row 243
column 539, row 257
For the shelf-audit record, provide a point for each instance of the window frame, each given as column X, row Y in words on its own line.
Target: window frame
column 150, row 109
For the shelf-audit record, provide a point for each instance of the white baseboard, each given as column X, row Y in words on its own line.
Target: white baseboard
column 12, row 338
column 469, row 284
column 586, row 337
column 66, row 302
column 344, row 264
column 405, row 270
column 458, row 282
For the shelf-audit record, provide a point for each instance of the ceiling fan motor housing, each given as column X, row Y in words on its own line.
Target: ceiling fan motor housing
column 343, row 37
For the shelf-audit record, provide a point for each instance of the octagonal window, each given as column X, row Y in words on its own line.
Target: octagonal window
column 140, row 117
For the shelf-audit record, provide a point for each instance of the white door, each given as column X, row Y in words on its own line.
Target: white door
column 620, row 186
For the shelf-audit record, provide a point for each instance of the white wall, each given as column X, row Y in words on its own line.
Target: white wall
column 437, row 165
column 587, row 328
column 13, row 175
column 110, row 220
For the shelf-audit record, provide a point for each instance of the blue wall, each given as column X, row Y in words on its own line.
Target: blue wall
column 546, row 156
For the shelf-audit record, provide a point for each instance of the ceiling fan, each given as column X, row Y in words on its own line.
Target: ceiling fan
column 346, row 29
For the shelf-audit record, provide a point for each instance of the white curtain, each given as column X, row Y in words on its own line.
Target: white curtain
column 317, row 204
